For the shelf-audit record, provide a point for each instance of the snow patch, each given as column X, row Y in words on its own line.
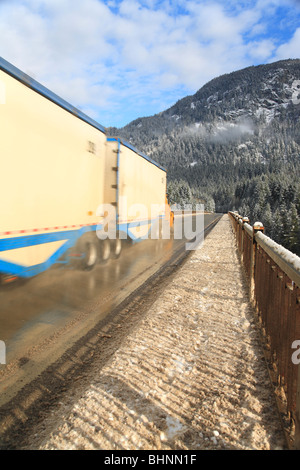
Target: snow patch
column 285, row 254
column 268, row 113
column 174, row 427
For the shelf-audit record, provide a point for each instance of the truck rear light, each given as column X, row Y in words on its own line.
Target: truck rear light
column 6, row 279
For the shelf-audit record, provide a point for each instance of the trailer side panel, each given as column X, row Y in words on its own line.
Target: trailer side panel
column 52, row 177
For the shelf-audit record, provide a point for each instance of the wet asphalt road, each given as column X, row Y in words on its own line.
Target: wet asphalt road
column 40, row 308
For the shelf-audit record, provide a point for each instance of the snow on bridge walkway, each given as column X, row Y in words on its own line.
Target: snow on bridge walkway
column 191, row 376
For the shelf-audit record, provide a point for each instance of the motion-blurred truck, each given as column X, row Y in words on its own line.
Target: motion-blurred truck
column 65, row 183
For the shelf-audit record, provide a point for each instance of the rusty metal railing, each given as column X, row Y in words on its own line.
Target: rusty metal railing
column 274, row 287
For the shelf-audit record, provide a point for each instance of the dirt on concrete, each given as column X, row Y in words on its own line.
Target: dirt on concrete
column 191, row 375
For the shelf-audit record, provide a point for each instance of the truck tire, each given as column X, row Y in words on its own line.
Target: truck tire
column 89, row 250
column 105, row 250
column 116, row 248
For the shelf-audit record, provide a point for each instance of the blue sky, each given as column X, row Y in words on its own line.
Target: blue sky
column 118, row 60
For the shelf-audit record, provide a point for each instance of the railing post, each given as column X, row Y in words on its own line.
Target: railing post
column 244, row 221
column 297, row 414
column 257, row 227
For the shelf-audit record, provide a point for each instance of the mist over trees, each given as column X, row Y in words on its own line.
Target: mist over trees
column 234, row 145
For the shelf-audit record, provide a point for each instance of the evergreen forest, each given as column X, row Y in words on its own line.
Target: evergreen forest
column 234, row 145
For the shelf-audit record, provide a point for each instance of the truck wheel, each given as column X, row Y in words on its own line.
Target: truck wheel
column 116, row 248
column 104, row 250
column 90, row 252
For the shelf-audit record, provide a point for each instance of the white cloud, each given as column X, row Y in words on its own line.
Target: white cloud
column 98, row 55
column 291, row 49
column 214, row 24
column 261, row 50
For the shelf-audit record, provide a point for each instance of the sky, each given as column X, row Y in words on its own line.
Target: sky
column 119, row 60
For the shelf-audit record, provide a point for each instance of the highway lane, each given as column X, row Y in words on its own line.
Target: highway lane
column 43, row 317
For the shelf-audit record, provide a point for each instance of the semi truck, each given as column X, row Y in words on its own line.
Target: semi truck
column 69, row 192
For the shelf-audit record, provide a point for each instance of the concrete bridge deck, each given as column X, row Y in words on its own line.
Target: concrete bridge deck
column 191, row 376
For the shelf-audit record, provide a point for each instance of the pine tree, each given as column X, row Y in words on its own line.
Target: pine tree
column 293, row 243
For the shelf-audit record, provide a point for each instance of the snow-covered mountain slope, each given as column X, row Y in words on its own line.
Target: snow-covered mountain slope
column 234, row 144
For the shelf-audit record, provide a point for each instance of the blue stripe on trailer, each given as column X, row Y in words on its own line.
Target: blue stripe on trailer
column 127, row 226
column 30, row 271
column 32, row 240
column 69, row 236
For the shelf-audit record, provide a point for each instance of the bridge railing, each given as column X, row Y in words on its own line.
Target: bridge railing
column 274, row 287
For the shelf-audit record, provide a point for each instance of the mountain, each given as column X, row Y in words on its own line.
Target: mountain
column 234, row 145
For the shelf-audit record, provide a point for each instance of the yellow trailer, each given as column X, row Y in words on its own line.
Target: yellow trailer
column 52, row 175
column 57, row 168
column 139, row 186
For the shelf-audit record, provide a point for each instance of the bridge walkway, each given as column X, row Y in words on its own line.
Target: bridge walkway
column 191, row 376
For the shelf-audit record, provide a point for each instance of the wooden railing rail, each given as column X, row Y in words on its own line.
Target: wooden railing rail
column 273, row 275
